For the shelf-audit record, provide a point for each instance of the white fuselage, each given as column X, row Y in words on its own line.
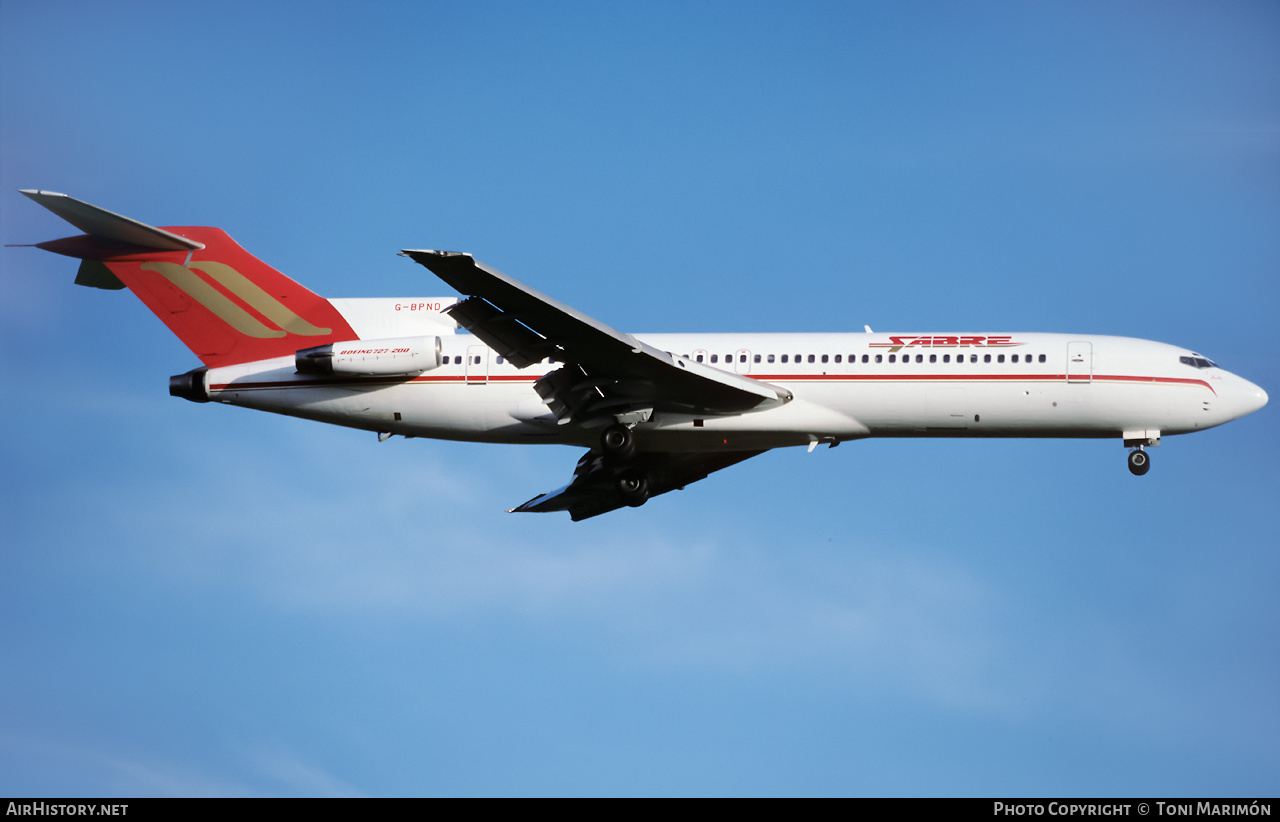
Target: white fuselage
column 845, row 386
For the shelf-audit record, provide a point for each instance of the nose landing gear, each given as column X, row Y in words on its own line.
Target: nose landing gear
column 1139, row 462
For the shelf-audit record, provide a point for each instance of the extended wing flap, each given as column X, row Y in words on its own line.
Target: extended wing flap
column 594, row 489
column 503, row 333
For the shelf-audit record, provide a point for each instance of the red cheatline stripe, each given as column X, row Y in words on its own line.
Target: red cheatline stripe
column 782, row 378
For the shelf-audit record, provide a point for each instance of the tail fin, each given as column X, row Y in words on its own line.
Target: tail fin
column 226, row 305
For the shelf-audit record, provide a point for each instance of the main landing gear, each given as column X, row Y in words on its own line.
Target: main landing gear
column 618, row 445
column 633, row 487
column 1139, row 462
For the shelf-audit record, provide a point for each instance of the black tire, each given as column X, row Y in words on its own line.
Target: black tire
column 617, row 443
column 1139, row 462
column 633, row 487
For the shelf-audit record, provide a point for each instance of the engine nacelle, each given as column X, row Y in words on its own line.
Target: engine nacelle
column 397, row 357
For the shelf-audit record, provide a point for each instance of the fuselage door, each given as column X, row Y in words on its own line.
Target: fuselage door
column 945, row 408
column 1079, row 362
column 742, row 361
column 477, row 364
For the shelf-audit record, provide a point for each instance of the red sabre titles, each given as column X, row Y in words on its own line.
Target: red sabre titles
column 940, row 341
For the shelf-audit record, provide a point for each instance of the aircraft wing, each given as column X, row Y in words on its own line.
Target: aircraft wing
column 606, row 372
column 593, row 490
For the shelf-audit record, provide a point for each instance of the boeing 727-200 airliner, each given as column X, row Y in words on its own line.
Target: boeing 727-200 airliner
column 655, row 411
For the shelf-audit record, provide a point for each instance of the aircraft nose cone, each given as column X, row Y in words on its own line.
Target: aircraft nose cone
column 1259, row 399
column 1251, row 398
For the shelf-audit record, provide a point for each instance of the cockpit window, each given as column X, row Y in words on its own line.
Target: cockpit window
column 1197, row 362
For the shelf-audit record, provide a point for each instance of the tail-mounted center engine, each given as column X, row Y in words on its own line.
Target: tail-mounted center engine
column 193, row 385
column 398, row 357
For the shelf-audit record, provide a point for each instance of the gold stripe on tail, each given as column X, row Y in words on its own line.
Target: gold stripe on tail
column 211, row 298
column 264, row 303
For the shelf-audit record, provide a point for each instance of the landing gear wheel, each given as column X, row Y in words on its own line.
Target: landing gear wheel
column 618, row 443
column 1139, row 462
column 633, row 487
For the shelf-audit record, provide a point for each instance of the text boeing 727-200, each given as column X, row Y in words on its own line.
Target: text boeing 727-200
column 656, row 412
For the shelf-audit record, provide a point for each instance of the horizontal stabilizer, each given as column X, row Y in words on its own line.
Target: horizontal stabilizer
column 107, row 225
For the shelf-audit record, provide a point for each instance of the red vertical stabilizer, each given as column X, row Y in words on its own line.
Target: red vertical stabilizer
column 226, row 305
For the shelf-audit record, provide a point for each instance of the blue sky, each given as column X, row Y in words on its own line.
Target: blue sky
column 204, row 600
